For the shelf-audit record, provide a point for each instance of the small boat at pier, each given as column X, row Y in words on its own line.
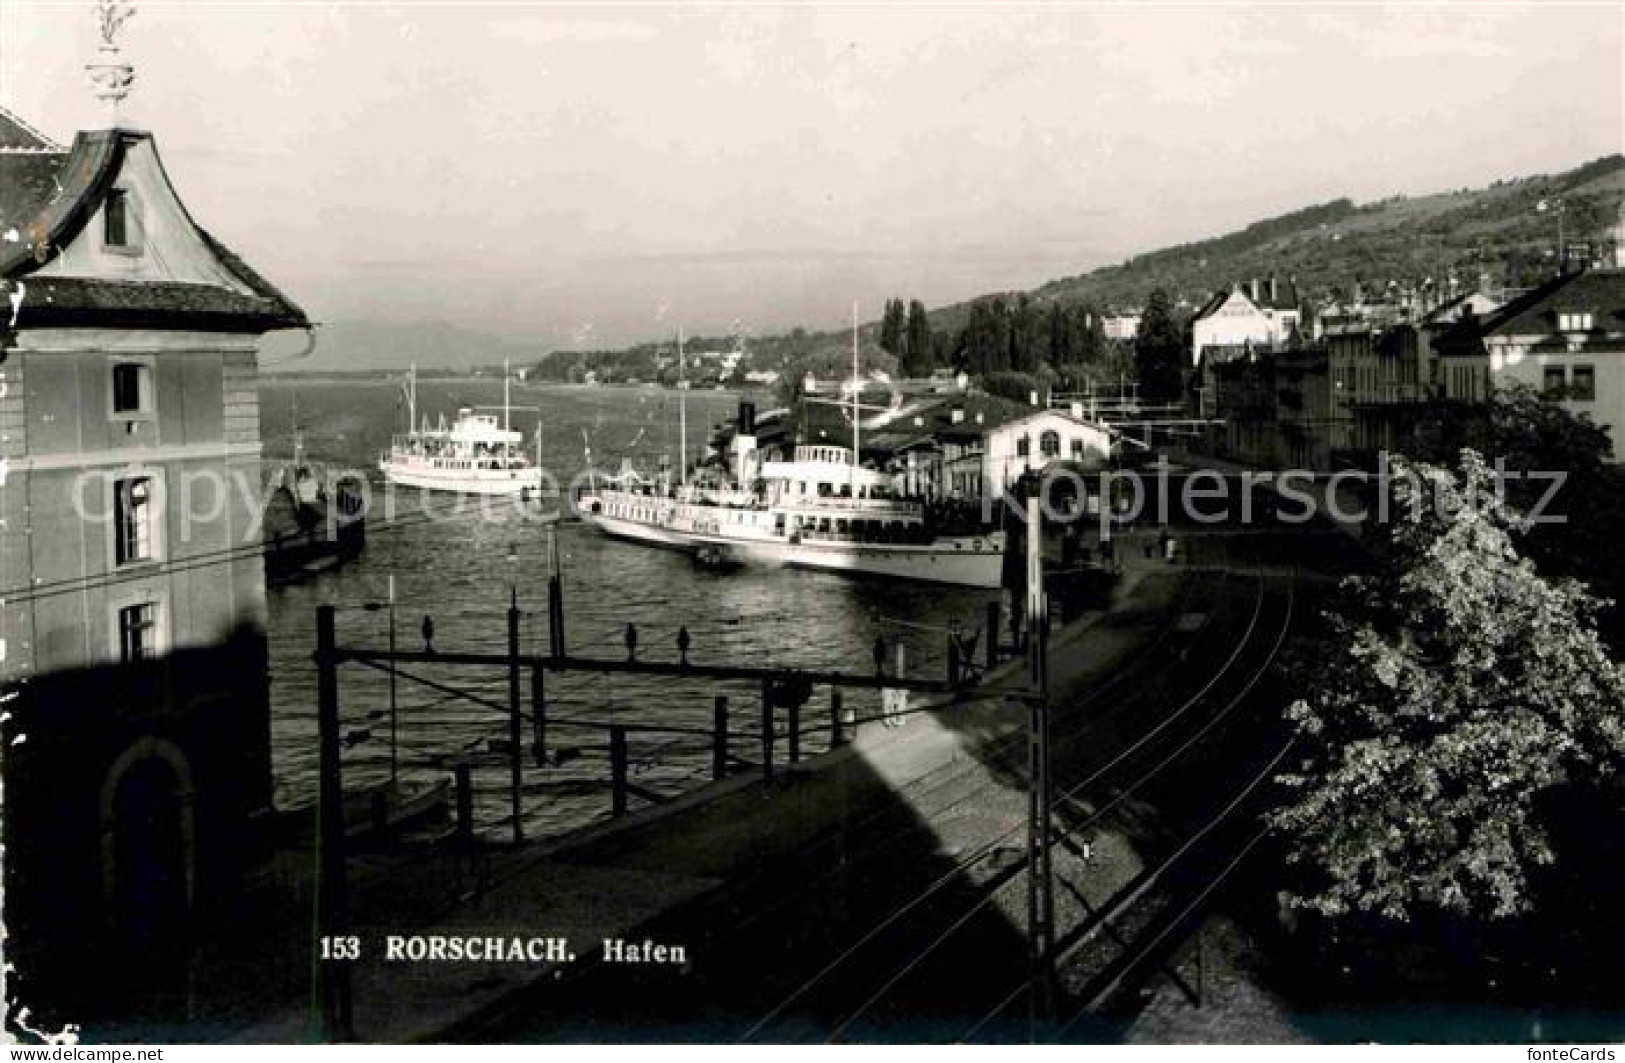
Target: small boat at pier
column 314, row 519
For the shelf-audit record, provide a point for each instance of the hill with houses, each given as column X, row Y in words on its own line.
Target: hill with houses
column 1503, row 235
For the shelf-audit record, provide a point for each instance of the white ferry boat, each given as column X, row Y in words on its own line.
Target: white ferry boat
column 477, row 454
column 820, row 509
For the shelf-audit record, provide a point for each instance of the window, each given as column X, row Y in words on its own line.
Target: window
column 1077, row 448
column 1584, row 386
column 132, row 517
column 138, row 632
column 1574, row 322
column 132, row 388
column 116, row 219
column 1554, row 382
column 1049, row 444
column 1024, row 446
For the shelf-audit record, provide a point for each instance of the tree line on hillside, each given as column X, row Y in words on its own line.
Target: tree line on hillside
column 1019, row 335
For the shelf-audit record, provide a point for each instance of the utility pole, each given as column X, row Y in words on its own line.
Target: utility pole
column 682, row 413
column 394, row 711
column 329, row 954
column 515, row 769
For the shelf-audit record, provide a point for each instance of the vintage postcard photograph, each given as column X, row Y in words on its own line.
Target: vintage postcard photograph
column 813, row 523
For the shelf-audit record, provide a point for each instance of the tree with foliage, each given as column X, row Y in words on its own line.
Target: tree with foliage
column 1159, row 351
column 1088, row 337
column 986, row 339
column 891, row 327
column 1463, row 690
column 945, row 350
column 1061, row 337
column 1018, row 387
column 917, row 354
column 1533, row 439
column 1024, row 335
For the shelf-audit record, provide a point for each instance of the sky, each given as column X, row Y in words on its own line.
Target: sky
column 589, row 176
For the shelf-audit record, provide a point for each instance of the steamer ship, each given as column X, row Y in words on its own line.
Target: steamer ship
column 821, row 510
column 477, row 454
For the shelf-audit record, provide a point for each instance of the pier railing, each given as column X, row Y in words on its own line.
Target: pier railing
column 784, row 725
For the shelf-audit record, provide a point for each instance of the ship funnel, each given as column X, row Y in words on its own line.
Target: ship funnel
column 745, row 445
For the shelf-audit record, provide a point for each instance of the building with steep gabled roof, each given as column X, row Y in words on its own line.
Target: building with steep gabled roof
column 1255, row 318
column 132, row 598
column 1564, row 339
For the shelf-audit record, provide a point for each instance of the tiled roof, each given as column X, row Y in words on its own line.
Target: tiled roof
column 1600, row 293
column 937, row 420
column 17, row 136
column 1286, row 297
column 288, row 313
column 51, row 300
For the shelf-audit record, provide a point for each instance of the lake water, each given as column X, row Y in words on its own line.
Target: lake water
column 460, row 568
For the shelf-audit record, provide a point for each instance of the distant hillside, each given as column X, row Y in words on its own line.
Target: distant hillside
column 359, row 346
column 1496, row 234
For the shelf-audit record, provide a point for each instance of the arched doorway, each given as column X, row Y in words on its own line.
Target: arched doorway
column 148, row 847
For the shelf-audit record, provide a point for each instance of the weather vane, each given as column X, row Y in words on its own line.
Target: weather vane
column 110, row 74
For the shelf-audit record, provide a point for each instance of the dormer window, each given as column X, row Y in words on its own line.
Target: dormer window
column 120, row 230
column 1574, row 322
column 130, row 387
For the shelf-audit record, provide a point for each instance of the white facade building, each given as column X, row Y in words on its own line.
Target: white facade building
column 1564, row 339
column 1030, row 443
column 1263, row 315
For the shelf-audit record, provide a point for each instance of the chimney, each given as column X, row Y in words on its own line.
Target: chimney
column 1274, row 291
column 1077, row 410
column 1032, row 398
column 744, row 444
column 1253, row 286
column 956, row 414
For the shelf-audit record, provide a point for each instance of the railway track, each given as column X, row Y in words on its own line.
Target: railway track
column 881, row 931
column 907, row 975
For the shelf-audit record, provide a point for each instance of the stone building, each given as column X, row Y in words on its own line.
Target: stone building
column 137, row 734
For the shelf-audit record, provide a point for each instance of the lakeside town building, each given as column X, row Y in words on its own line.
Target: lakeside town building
column 1258, row 317
column 137, row 735
column 1564, row 340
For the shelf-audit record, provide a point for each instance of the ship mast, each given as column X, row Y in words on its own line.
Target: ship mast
column 857, row 388
column 298, row 440
column 507, row 381
column 412, row 399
